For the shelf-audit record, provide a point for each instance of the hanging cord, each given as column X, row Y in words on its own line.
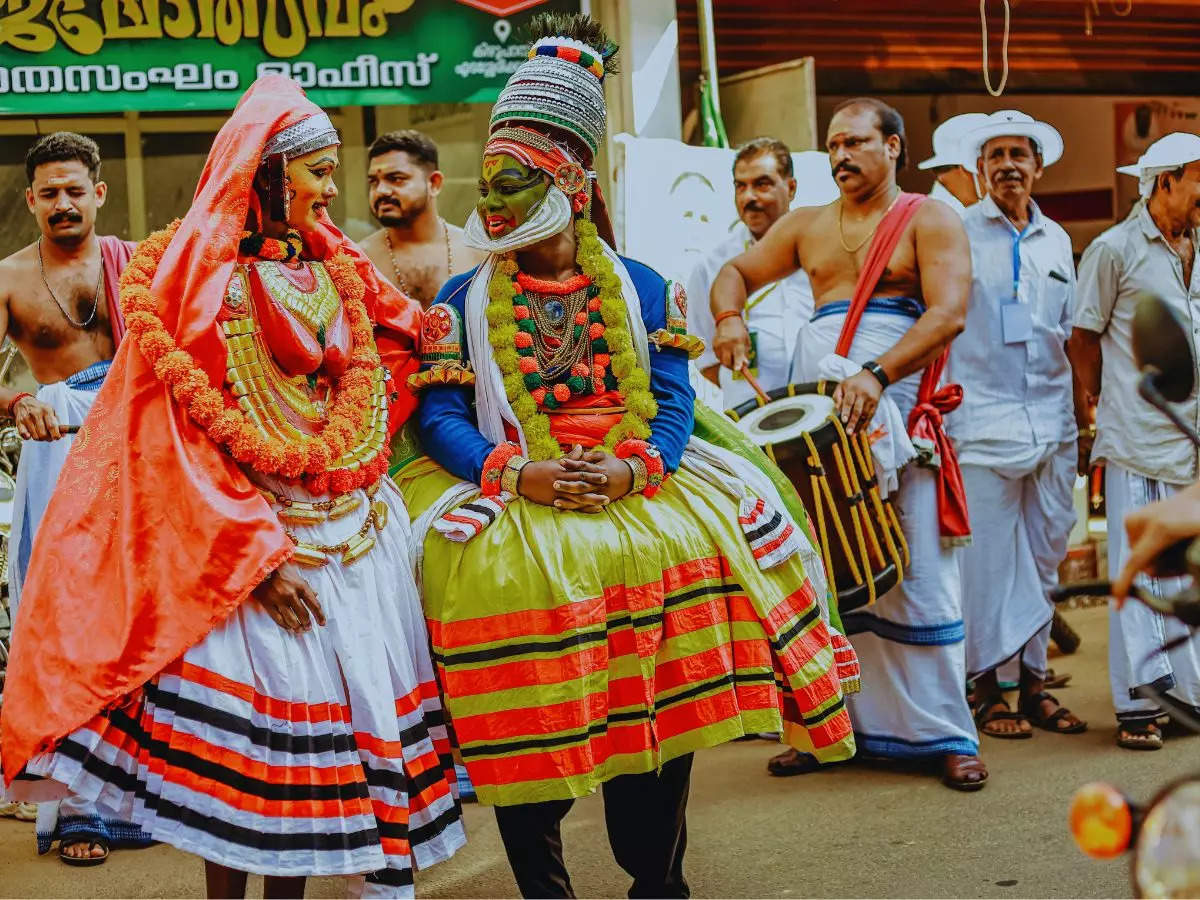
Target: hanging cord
column 987, row 80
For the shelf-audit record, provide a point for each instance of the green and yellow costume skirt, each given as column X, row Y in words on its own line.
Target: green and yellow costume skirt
column 572, row 648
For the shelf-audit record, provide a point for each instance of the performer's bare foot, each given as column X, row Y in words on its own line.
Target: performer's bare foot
column 963, row 773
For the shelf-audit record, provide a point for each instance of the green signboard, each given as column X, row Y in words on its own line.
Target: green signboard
column 93, row 56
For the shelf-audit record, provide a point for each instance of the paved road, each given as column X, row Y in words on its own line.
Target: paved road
column 851, row 832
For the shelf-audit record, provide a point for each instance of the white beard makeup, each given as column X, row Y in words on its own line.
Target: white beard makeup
column 552, row 215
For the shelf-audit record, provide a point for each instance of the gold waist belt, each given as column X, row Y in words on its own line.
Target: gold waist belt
column 304, row 512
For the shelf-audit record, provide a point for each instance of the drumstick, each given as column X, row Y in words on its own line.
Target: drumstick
column 753, row 382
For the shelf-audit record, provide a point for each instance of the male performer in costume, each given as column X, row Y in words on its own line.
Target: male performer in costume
column 1153, row 250
column 58, row 305
column 606, row 591
column 955, row 181
column 221, row 634
column 1015, row 432
column 763, row 189
column 416, row 249
column 872, row 246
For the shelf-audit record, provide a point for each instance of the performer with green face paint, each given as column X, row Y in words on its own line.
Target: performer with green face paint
column 606, row 591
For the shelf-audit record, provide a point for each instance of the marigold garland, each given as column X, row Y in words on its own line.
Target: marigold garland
column 633, row 383
column 307, row 457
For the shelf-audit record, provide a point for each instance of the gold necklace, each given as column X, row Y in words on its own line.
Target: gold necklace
column 870, row 234
column 400, row 282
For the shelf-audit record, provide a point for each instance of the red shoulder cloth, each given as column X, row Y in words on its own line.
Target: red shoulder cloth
column 925, row 421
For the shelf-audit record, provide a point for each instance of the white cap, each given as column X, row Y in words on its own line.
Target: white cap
column 1169, row 152
column 1012, row 123
column 946, row 138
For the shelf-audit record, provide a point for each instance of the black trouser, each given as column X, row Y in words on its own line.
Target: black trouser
column 646, row 818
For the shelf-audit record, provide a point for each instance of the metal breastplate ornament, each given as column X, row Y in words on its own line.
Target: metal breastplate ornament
column 282, row 406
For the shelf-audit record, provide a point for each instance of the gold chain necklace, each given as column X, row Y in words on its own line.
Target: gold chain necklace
column 870, row 234
column 400, row 282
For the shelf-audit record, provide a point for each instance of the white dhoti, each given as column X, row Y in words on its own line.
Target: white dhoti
column 72, row 818
column 1136, row 634
column 910, row 642
column 1020, row 498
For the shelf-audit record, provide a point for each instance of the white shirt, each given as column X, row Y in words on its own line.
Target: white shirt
column 1130, row 257
column 774, row 316
column 941, row 192
column 1015, row 391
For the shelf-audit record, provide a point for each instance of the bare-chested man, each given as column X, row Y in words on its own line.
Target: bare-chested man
column 416, row 249
column 58, row 302
column 910, row 642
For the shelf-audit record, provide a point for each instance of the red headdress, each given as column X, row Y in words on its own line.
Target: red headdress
column 154, row 534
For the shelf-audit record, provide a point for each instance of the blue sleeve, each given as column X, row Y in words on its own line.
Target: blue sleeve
column 669, row 382
column 446, row 417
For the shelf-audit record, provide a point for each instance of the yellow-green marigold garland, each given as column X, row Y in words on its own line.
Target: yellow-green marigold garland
column 633, row 383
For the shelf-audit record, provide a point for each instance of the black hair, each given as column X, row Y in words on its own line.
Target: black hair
column 64, row 146
column 416, row 144
column 763, row 145
column 887, row 119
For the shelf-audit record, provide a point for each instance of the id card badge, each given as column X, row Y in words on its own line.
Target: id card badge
column 751, row 360
column 1016, row 320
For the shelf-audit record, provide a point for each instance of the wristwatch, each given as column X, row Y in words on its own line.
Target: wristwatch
column 877, row 370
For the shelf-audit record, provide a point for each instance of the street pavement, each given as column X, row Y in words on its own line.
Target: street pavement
column 852, row 831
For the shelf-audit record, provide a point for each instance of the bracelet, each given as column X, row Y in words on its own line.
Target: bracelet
column 727, row 314
column 17, row 399
column 641, row 477
column 877, row 370
column 648, row 456
column 511, row 476
column 494, row 465
column 1087, row 431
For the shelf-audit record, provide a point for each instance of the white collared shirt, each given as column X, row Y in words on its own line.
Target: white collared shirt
column 1129, row 258
column 774, row 315
column 1014, row 392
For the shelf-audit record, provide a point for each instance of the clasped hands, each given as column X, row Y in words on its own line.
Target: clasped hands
column 585, row 481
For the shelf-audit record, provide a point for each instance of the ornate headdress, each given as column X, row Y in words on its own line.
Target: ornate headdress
column 304, row 137
column 549, row 115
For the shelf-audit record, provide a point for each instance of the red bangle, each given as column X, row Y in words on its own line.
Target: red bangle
column 727, row 314
column 650, row 457
column 17, row 399
column 493, row 467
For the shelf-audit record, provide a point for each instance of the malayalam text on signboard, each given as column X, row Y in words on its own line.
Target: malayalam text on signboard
column 72, row 56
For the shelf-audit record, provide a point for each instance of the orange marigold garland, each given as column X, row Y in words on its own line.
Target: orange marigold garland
column 307, row 457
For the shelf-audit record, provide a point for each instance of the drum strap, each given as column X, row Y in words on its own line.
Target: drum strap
column 925, row 420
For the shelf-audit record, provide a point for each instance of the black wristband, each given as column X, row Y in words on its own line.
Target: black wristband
column 877, row 370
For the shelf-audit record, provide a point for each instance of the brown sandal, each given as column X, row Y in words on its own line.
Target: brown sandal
column 1139, row 736
column 996, row 709
column 1031, row 707
column 957, row 770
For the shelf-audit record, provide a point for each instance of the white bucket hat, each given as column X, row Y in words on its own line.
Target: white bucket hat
column 946, row 139
column 1012, row 123
column 1167, row 153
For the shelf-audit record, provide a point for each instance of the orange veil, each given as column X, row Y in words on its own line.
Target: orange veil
column 153, row 534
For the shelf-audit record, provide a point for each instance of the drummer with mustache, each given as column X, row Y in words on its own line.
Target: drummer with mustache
column 865, row 254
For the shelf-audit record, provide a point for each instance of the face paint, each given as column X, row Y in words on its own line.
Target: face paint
column 310, row 187
column 509, row 191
